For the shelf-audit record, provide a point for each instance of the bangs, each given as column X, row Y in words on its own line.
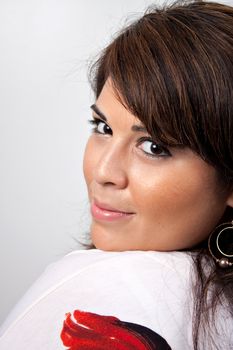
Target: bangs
column 147, row 73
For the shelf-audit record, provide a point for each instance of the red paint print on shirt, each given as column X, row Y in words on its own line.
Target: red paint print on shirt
column 91, row 331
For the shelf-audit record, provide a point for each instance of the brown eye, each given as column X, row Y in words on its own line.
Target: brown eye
column 100, row 127
column 153, row 149
column 103, row 128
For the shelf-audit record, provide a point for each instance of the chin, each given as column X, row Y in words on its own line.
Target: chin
column 105, row 246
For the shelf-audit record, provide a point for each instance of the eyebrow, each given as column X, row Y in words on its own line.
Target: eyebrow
column 136, row 128
column 139, row 128
column 98, row 112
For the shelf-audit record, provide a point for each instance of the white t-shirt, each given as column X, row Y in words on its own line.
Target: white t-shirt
column 134, row 289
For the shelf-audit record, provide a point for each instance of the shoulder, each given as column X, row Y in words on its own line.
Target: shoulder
column 146, row 288
column 82, row 259
column 116, row 264
column 81, row 262
column 120, row 268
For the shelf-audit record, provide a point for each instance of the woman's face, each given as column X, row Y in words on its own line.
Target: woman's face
column 142, row 195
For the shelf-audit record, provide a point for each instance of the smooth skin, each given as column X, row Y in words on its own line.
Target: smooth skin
column 174, row 197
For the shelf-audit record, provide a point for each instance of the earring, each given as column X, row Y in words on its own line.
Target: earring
column 220, row 244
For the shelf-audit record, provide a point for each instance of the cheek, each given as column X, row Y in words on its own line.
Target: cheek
column 156, row 194
column 172, row 190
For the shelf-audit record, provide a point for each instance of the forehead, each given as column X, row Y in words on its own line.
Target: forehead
column 110, row 107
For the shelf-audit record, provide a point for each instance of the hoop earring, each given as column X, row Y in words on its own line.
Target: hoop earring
column 220, row 244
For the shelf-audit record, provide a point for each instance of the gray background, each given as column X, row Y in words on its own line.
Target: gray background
column 45, row 49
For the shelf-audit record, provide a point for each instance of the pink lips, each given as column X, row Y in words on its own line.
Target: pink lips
column 106, row 213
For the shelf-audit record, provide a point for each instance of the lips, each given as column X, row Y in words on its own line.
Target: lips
column 105, row 212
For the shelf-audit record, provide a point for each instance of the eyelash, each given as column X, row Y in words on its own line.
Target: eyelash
column 96, row 122
column 159, row 147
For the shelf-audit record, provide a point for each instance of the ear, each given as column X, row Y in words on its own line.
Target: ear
column 230, row 200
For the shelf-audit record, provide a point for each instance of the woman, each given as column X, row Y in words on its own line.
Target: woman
column 159, row 173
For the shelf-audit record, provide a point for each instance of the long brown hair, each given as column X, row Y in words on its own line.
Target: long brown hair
column 173, row 69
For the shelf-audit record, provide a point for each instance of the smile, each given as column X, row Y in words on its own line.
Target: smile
column 102, row 213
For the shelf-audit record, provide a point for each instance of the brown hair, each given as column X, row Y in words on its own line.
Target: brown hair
column 173, row 69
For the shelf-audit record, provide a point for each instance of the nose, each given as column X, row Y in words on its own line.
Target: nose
column 111, row 167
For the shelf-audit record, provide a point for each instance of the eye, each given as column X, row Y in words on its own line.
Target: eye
column 100, row 127
column 153, row 149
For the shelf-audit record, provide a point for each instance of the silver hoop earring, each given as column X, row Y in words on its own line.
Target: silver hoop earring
column 220, row 244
